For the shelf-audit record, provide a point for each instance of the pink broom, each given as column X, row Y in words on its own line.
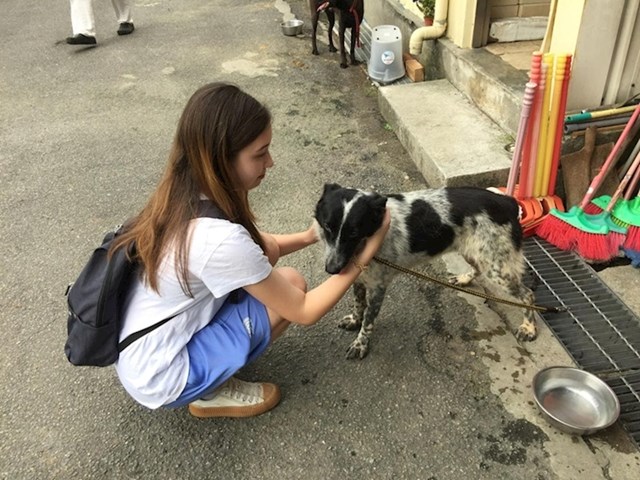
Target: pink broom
column 527, row 100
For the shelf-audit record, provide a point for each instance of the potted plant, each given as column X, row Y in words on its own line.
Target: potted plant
column 427, row 8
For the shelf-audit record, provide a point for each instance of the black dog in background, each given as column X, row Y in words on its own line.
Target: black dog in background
column 316, row 6
column 351, row 14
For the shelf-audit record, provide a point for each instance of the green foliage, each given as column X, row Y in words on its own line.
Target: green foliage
column 427, row 7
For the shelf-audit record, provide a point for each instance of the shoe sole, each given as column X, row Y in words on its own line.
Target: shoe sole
column 81, row 42
column 272, row 399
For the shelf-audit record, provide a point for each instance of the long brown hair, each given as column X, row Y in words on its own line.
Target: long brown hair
column 218, row 121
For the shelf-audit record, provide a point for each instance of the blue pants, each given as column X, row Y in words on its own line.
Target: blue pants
column 238, row 334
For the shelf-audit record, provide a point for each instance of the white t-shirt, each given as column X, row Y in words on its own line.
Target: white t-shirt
column 222, row 258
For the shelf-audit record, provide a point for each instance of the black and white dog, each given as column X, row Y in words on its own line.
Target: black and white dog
column 480, row 225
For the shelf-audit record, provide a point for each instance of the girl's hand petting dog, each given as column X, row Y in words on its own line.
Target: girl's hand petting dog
column 374, row 242
column 277, row 246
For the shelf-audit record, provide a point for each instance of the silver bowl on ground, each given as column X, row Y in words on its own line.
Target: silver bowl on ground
column 575, row 401
column 292, row 27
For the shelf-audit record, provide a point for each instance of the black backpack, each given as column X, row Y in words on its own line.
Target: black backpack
column 95, row 302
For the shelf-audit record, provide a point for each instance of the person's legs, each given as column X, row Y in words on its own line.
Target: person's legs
column 124, row 15
column 123, row 10
column 279, row 324
column 238, row 334
column 82, row 20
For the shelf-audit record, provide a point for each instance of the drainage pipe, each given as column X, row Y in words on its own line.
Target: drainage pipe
column 429, row 33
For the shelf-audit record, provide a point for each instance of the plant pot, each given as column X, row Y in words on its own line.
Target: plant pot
column 428, row 21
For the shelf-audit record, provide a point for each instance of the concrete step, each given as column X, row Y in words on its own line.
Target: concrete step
column 493, row 85
column 449, row 139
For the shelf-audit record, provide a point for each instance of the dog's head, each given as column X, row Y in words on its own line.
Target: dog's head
column 345, row 219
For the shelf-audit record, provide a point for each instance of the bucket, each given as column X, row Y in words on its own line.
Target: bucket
column 386, row 64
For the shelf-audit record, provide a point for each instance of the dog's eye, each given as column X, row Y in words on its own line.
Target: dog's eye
column 326, row 228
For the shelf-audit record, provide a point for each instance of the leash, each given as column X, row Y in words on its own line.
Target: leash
column 353, row 12
column 424, row 276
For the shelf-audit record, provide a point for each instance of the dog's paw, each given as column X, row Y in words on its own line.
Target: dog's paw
column 358, row 349
column 332, row 49
column 526, row 332
column 349, row 323
column 315, row 52
column 461, row 280
column 344, row 65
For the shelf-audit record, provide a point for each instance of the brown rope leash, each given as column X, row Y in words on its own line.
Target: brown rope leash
column 539, row 308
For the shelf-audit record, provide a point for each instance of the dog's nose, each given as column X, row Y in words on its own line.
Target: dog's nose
column 332, row 268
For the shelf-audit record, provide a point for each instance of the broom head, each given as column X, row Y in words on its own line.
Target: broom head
column 632, row 240
column 624, row 213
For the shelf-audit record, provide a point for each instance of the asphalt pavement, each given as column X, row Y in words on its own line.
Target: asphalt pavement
column 85, row 132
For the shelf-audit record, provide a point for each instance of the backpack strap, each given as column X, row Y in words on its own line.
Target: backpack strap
column 206, row 208
column 137, row 335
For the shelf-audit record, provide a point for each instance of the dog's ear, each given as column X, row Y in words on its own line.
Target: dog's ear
column 379, row 204
column 330, row 187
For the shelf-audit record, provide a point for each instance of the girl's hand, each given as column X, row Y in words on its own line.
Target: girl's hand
column 375, row 241
column 312, row 233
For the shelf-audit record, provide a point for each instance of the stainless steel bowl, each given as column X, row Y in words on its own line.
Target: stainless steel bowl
column 292, row 27
column 575, row 401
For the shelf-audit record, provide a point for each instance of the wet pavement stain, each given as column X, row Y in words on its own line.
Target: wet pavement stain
column 341, row 107
column 511, row 447
column 492, row 356
column 477, row 335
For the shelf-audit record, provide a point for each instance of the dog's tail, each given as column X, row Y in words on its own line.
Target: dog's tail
column 502, row 192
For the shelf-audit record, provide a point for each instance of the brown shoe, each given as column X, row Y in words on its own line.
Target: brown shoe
column 236, row 398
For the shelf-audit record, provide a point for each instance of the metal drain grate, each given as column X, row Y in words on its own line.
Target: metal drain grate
column 599, row 331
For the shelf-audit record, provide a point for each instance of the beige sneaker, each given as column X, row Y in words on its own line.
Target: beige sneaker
column 236, row 398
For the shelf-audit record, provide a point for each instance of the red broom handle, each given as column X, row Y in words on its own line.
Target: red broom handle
column 623, row 183
column 527, row 100
column 527, row 158
column 535, row 132
column 560, row 127
column 598, row 179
